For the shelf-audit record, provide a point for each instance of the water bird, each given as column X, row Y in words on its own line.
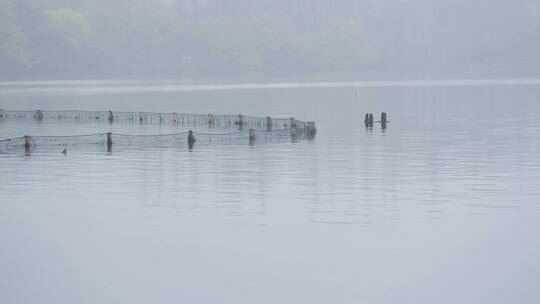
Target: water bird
column 64, row 152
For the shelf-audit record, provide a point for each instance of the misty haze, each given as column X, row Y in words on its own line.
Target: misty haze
column 301, row 151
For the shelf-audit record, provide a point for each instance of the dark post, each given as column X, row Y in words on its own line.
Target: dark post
column 109, row 142
column 2, row 114
column 366, row 120
column 383, row 117
column 269, row 123
column 38, row 115
column 174, row 118
column 110, row 117
column 141, row 117
column 191, row 140
column 311, row 130
column 252, row 137
column 240, row 121
column 294, row 134
column 371, row 120
column 292, row 122
column 27, row 145
column 211, row 120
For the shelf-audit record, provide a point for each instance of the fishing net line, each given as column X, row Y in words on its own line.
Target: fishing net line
column 109, row 142
column 208, row 130
column 186, row 120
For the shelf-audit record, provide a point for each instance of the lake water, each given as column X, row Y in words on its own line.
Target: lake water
column 442, row 207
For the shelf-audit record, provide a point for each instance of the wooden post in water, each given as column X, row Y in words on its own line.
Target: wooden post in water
column 211, row 120
column 371, row 120
column 383, row 117
column 174, row 118
column 292, row 122
column 191, row 140
column 38, row 116
column 141, row 120
column 2, row 114
column 252, row 137
column 294, row 134
column 110, row 117
column 366, row 120
column 311, row 130
column 240, row 121
column 109, row 142
column 27, row 144
column 269, row 123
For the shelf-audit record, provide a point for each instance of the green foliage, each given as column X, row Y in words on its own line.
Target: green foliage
column 141, row 37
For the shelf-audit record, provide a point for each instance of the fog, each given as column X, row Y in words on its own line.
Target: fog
column 218, row 151
column 283, row 39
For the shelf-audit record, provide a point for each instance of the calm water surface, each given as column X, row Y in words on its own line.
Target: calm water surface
column 442, row 207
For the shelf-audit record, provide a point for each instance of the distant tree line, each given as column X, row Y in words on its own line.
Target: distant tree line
column 132, row 38
column 182, row 37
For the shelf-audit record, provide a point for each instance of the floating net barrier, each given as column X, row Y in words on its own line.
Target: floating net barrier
column 109, row 142
column 207, row 129
column 239, row 121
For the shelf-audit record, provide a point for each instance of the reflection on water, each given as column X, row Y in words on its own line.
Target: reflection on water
column 441, row 206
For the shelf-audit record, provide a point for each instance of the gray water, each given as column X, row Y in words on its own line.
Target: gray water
column 442, row 207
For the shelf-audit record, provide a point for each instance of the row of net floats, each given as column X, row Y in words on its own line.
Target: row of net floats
column 195, row 120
